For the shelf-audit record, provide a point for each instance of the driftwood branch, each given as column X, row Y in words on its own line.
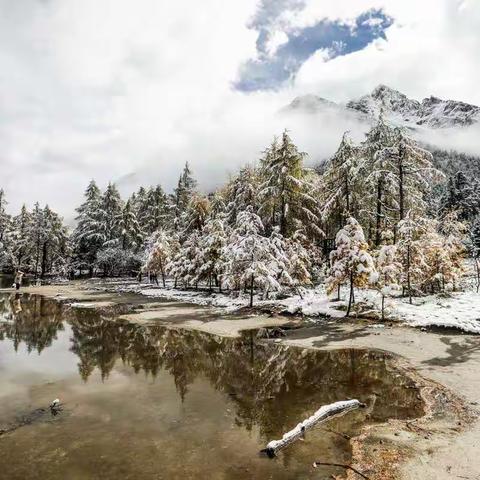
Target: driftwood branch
column 321, row 415
column 346, row 467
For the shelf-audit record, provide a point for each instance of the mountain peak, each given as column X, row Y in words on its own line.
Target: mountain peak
column 431, row 112
column 382, row 90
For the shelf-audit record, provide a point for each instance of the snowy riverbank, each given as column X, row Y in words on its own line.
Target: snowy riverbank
column 460, row 310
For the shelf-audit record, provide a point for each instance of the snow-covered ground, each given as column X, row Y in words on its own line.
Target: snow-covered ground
column 459, row 310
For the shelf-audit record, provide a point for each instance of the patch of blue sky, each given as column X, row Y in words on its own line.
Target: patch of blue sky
column 335, row 37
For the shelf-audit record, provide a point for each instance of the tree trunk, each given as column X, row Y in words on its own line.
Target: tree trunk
column 383, row 308
column 351, row 295
column 251, row 291
column 378, row 225
column 477, row 267
column 409, row 286
column 401, row 200
column 283, row 213
column 299, row 292
column 37, row 258
column 347, row 195
column 162, row 271
column 44, row 259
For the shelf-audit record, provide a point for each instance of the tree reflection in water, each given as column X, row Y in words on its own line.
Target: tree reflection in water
column 33, row 320
column 272, row 386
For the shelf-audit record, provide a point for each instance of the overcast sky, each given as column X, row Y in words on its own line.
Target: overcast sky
column 128, row 90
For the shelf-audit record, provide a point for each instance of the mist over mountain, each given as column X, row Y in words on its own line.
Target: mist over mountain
column 431, row 112
column 439, row 124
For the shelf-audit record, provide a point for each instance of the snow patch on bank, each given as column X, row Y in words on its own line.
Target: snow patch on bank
column 461, row 311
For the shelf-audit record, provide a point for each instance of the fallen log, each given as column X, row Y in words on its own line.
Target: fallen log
column 321, row 415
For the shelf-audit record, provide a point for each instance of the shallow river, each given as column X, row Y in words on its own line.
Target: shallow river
column 154, row 403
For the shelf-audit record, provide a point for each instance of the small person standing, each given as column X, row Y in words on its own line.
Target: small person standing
column 18, row 279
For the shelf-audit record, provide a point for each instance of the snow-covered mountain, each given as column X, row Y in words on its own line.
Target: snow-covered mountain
column 431, row 112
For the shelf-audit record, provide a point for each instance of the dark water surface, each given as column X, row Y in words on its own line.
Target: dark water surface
column 153, row 403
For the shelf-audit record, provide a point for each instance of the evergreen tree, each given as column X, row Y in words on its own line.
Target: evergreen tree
column 351, row 261
column 250, row 261
column 195, row 215
column 5, row 226
column 89, row 234
column 37, row 235
column 131, row 236
column 474, row 246
column 20, row 241
column 410, row 251
column 462, row 196
column 158, row 254
column 388, row 268
column 4, row 217
column 299, row 253
column 156, row 211
column 186, row 187
column 241, row 193
column 398, row 174
column 212, row 242
column 341, row 186
column 185, row 264
column 285, row 192
column 111, row 212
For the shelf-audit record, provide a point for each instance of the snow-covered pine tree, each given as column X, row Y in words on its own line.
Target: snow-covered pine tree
column 111, row 212
column 56, row 252
column 4, row 217
column 89, row 234
column 19, row 240
column 241, row 192
column 156, row 210
column 399, row 175
column 218, row 206
column 351, row 262
column 341, row 186
column 461, row 195
column 474, row 248
column 453, row 235
column 413, row 174
column 131, row 235
column 37, row 235
column 279, row 249
column 139, row 201
column 286, row 194
column 158, row 253
column 5, row 226
column 378, row 193
column 214, row 237
column 249, row 259
column 299, row 253
column 388, row 268
column 185, row 264
column 182, row 195
column 195, row 215
column 411, row 251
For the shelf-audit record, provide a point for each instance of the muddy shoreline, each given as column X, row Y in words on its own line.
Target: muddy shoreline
column 438, row 445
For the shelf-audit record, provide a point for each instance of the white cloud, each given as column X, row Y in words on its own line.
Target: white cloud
column 129, row 91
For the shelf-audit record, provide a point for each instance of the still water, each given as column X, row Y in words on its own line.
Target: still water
column 154, row 403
